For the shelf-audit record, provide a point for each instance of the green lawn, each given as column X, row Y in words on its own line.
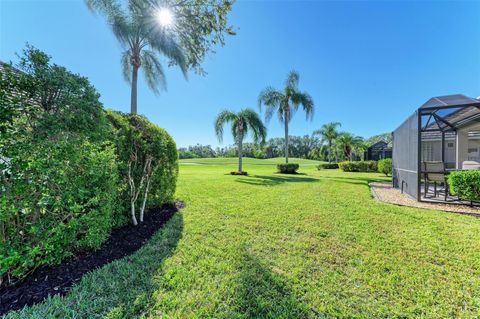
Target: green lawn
column 275, row 246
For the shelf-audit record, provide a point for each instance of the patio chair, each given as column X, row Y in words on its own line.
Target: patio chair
column 435, row 172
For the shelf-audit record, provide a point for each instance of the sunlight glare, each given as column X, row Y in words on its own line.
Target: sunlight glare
column 165, row 17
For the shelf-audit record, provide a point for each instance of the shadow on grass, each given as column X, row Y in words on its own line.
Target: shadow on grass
column 122, row 289
column 268, row 180
column 354, row 180
column 263, row 293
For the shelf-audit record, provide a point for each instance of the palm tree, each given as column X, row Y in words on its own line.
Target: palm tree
column 242, row 122
column 285, row 103
column 328, row 132
column 347, row 141
column 137, row 29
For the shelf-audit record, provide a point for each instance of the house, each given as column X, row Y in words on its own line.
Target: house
column 445, row 130
column 378, row 151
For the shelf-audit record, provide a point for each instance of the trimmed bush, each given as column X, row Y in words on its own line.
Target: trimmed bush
column 465, row 184
column 327, row 166
column 359, row 166
column 289, row 168
column 385, row 166
column 141, row 144
column 59, row 196
column 239, row 173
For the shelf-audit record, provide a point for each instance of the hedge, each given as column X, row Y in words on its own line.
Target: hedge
column 465, row 184
column 358, row 166
column 60, row 195
column 289, row 168
column 63, row 165
column 385, row 166
column 327, row 166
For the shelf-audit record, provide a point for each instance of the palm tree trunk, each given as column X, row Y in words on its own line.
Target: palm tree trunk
column 240, row 155
column 286, row 140
column 329, row 151
column 133, row 96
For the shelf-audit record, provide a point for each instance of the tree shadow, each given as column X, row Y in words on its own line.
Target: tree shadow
column 268, row 180
column 354, row 180
column 263, row 293
column 121, row 289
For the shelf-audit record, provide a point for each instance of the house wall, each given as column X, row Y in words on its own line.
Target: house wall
column 467, row 149
column 432, row 151
column 405, row 157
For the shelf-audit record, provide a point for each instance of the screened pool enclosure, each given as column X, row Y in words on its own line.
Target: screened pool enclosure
column 442, row 135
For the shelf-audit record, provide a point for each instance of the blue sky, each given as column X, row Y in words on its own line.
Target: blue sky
column 367, row 65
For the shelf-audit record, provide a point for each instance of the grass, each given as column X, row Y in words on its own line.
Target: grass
column 276, row 246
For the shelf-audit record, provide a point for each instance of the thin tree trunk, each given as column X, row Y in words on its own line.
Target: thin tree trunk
column 329, row 151
column 240, row 154
column 134, row 218
column 133, row 96
column 286, row 137
column 142, row 210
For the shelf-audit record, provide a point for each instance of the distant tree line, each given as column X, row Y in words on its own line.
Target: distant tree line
column 345, row 146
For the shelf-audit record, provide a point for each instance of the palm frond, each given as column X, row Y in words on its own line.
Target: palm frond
column 165, row 43
column 222, row 118
column 153, row 71
column 306, row 101
column 292, row 80
column 272, row 99
column 126, row 65
column 255, row 124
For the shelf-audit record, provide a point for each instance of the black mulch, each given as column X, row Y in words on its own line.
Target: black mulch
column 57, row 279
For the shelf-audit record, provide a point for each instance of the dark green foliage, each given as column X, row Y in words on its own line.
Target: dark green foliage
column 290, row 168
column 387, row 137
column 358, row 166
column 238, row 173
column 59, row 196
column 385, row 166
column 59, row 173
column 196, row 151
column 135, row 136
column 465, row 184
column 327, row 166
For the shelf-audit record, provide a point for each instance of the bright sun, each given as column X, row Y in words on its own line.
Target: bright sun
column 164, row 17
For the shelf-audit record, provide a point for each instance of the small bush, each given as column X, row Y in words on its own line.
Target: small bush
column 327, row 166
column 136, row 137
column 238, row 173
column 289, row 168
column 385, row 166
column 465, row 184
column 360, row 166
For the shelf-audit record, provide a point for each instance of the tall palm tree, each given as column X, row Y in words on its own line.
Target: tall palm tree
column 347, row 141
column 242, row 123
column 285, row 103
column 143, row 39
column 328, row 132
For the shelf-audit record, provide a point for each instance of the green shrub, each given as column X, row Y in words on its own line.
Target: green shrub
column 289, row 168
column 327, row 166
column 359, row 166
column 63, row 165
column 465, row 184
column 385, row 166
column 137, row 138
column 59, row 195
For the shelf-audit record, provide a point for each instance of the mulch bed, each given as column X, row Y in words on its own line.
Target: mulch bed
column 57, row 279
